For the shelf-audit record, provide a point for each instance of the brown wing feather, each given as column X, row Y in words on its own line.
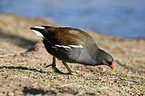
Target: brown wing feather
column 69, row 36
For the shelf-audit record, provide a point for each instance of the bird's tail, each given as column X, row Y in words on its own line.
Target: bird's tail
column 38, row 30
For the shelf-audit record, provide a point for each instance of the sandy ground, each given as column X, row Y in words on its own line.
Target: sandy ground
column 23, row 59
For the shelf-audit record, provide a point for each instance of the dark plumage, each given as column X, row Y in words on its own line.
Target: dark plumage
column 72, row 45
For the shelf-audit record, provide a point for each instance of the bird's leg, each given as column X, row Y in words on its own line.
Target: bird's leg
column 70, row 71
column 54, row 62
column 54, row 66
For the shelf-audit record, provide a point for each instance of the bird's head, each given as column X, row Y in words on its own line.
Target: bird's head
column 105, row 59
column 110, row 64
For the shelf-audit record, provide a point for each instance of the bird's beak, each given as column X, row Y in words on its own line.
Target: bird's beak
column 111, row 66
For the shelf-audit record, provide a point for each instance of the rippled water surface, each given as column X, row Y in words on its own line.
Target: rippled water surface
column 122, row 18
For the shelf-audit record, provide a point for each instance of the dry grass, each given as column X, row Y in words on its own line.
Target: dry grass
column 23, row 60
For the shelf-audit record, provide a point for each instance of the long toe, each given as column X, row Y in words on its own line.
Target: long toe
column 73, row 73
column 57, row 70
column 48, row 65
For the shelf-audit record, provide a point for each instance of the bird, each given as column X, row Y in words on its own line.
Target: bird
column 72, row 45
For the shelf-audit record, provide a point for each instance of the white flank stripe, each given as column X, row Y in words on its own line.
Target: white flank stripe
column 39, row 27
column 58, row 45
column 76, row 46
column 68, row 47
column 38, row 33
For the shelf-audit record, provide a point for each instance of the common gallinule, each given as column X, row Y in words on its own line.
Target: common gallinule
column 72, row 45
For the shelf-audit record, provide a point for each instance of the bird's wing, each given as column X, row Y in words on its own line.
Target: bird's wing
column 65, row 37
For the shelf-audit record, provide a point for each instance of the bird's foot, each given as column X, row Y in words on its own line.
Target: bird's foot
column 73, row 73
column 53, row 65
column 57, row 70
column 76, row 74
column 48, row 65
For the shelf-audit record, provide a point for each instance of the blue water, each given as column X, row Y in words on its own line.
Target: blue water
column 121, row 18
